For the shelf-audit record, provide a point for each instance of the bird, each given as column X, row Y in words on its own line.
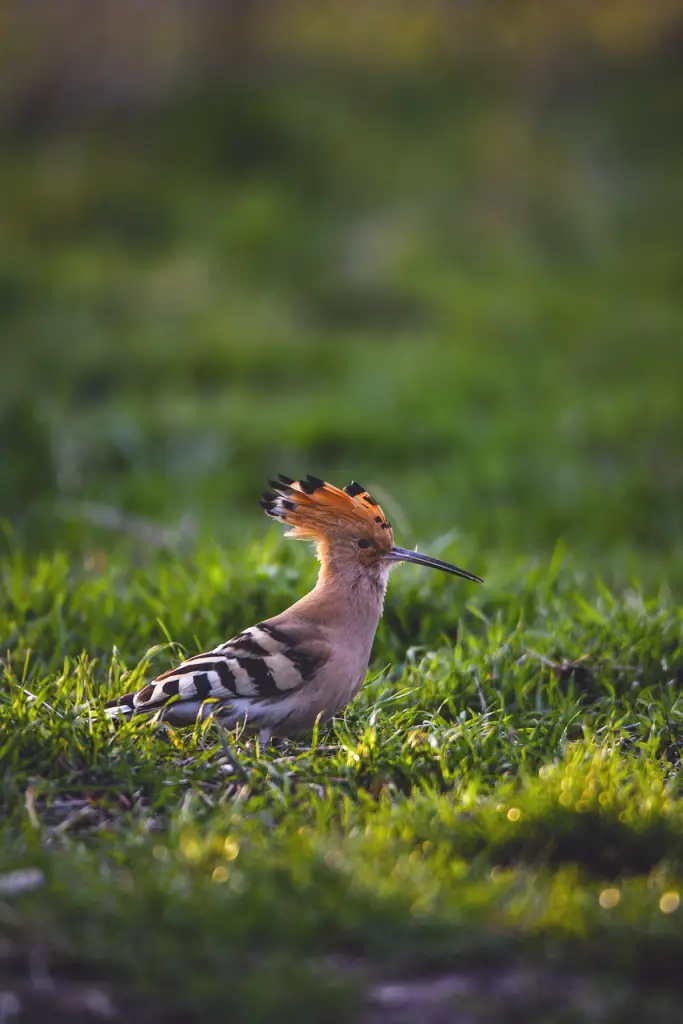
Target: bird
column 280, row 677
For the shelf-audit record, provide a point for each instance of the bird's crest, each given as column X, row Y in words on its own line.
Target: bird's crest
column 314, row 509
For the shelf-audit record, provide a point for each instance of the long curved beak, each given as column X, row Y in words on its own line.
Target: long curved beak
column 404, row 555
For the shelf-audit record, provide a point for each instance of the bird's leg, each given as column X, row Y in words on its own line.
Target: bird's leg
column 264, row 737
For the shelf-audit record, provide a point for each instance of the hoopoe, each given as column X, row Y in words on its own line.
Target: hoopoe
column 281, row 676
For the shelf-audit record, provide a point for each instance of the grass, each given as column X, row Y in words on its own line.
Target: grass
column 489, row 338
column 469, row 812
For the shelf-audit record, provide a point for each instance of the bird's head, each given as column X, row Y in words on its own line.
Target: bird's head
column 346, row 524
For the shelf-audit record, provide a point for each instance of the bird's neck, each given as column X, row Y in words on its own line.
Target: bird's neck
column 347, row 595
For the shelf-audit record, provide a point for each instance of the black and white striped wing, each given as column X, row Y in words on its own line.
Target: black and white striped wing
column 265, row 662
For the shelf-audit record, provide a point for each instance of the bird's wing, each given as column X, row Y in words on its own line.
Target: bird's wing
column 264, row 662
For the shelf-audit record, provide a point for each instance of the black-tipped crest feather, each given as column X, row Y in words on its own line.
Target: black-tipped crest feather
column 353, row 489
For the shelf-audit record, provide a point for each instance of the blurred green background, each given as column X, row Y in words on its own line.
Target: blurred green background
column 433, row 247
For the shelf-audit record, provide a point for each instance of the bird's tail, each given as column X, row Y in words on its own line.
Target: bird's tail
column 120, row 707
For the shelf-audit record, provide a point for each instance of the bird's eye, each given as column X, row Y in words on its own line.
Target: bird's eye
column 365, row 543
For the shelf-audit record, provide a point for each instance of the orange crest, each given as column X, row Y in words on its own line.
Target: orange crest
column 316, row 510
